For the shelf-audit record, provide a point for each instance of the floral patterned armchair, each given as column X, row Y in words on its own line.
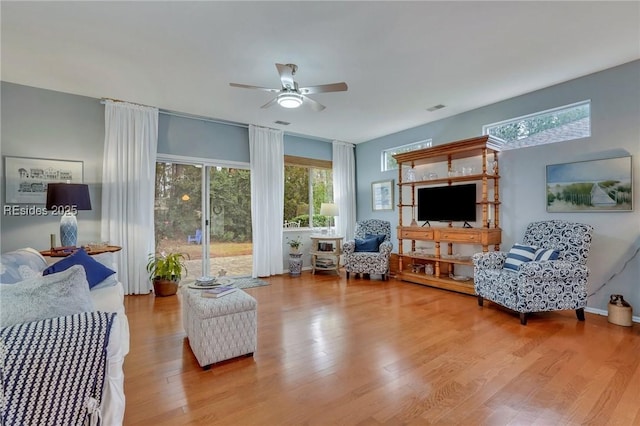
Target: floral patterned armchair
column 369, row 262
column 544, row 285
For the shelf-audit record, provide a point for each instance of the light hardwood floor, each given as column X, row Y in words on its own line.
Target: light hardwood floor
column 360, row 352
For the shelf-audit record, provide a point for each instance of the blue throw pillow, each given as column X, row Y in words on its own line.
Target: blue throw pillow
column 380, row 238
column 96, row 272
column 547, row 254
column 367, row 245
column 518, row 255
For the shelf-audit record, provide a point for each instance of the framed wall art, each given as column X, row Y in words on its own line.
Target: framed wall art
column 590, row 186
column 26, row 179
column 382, row 195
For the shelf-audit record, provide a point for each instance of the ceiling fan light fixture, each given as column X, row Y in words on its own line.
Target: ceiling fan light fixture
column 289, row 100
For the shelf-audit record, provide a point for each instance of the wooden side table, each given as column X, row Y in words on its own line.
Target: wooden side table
column 325, row 253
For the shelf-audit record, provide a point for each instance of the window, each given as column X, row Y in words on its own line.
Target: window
column 307, row 184
column 554, row 125
column 389, row 163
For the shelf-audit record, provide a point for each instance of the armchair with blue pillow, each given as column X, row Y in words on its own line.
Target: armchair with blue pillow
column 369, row 252
column 70, row 316
column 546, row 272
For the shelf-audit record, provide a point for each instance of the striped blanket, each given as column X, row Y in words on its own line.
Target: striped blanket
column 53, row 370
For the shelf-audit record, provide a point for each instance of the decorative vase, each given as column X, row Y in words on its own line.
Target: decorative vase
column 411, row 175
column 68, row 230
column 620, row 312
column 163, row 287
column 295, row 264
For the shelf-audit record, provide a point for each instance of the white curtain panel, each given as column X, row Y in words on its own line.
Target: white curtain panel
column 344, row 188
column 266, row 149
column 128, row 179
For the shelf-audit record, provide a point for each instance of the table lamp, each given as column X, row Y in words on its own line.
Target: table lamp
column 329, row 209
column 66, row 199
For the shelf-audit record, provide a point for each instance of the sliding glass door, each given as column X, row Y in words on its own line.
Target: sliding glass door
column 204, row 211
column 230, row 221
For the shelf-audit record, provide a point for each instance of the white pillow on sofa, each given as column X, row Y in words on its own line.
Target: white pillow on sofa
column 21, row 264
column 107, row 260
column 55, row 295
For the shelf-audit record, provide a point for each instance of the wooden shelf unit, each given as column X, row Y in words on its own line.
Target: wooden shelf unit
column 488, row 235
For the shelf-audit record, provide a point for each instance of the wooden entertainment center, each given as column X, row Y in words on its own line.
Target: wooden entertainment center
column 412, row 264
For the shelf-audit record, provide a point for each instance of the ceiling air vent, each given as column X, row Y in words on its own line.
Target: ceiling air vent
column 435, row 107
column 284, row 123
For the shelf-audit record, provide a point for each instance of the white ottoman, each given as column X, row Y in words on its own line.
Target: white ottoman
column 219, row 329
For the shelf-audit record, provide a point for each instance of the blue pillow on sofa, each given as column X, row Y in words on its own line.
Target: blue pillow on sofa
column 96, row 272
column 367, row 245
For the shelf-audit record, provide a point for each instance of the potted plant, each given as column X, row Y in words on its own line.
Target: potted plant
column 294, row 244
column 165, row 271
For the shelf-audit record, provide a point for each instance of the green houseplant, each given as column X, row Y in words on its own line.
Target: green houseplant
column 294, row 244
column 165, row 271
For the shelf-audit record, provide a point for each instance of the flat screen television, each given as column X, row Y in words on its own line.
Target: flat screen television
column 447, row 203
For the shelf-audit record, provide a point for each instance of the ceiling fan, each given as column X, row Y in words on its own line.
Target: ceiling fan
column 292, row 96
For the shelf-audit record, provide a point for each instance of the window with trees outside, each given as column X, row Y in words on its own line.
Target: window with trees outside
column 389, row 163
column 560, row 124
column 307, row 184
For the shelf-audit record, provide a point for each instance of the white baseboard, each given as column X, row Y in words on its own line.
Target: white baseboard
column 606, row 313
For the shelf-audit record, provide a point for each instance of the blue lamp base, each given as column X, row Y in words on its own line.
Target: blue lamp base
column 68, row 230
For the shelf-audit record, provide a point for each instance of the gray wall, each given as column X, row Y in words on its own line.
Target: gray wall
column 615, row 114
column 202, row 139
column 43, row 123
column 210, row 139
column 46, row 124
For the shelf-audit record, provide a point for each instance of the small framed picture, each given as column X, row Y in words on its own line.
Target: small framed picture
column 382, row 195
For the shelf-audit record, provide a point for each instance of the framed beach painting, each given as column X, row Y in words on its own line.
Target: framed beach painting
column 26, row 179
column 590, row 186
column 382, row 195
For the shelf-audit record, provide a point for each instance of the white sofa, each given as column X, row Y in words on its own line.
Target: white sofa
column 25, row 266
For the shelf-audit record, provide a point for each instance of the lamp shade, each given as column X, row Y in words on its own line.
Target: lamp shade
column 66, row 199
column 68, row 195
column 329, row 209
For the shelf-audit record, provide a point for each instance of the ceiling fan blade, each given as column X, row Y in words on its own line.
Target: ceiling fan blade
column 286, row 75
column 247, row 86
column 323, row 88
column 315, row 105
column 270, row 103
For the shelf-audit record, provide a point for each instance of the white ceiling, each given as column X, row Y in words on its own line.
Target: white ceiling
column 398, row 58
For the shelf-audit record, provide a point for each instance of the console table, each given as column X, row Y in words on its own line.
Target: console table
column 90, row 251
column 325, row 253
column 53, row 256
